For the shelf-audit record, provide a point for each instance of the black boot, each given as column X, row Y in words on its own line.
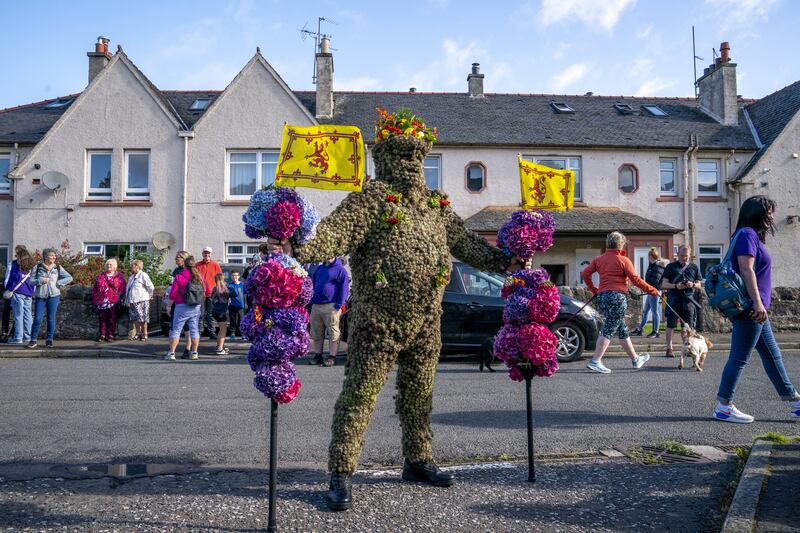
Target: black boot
column 316, row 359
column 340, row 493
column 426, row 472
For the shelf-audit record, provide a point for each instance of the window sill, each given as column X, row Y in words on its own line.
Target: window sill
column 669, row 199
column 710, row 199
column 579, row 203
column 109, row 203
column 235, row 202
column 4, row 196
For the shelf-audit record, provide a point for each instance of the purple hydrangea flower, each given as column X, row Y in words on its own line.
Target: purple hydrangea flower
column 516, row 310
column 272, row 380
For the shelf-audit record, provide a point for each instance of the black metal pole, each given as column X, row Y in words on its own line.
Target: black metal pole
column 529, row 403
column 273, row 466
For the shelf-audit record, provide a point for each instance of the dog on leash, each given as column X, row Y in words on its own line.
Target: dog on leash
column 695, row 346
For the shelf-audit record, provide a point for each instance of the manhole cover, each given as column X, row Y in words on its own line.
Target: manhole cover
column 656, row 455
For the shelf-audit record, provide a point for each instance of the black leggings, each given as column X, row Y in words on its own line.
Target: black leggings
column 234, row 318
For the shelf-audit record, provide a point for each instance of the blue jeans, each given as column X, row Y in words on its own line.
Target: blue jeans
column 186, row 314
column 652, row 304
column 38, row 312
column 748, row 334
column 21, row 307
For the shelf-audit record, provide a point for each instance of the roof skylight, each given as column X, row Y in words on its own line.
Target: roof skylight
column 562, row 107
column 655, row 110
column 625, row 109
column 61, row 102
column 200, row 104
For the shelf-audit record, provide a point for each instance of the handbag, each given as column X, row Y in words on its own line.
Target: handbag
column 725, row 288
column 7, row 295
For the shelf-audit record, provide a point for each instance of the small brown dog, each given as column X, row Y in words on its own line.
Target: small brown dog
column 697, row 347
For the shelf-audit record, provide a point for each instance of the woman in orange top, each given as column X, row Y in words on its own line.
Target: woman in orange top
column 615, row 270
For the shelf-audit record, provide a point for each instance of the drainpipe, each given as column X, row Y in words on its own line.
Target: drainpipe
column 186, row 135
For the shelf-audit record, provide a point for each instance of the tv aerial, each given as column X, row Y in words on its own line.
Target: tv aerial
column 318, row 35
column 55, row 181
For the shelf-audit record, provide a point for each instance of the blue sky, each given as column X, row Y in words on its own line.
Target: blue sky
column 610, row 47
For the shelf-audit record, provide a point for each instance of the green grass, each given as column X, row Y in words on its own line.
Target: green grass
column 678, row 449
column 774, row 436
column 742, row 454
column 636, row 452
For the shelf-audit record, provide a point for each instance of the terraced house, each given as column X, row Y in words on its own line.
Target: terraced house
column 123, row 164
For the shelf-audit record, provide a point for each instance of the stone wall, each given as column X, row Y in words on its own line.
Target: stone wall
column 77, row 317
column 784, row 310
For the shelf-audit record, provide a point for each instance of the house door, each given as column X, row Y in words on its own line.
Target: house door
column 584, row 256
column 640, row 260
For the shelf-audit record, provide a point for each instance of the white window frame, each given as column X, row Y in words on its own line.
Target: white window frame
column 655, row 110
column 708, row 255
column 259, row 171
column 99, row 249
column 718, row 192
column 200, row 104
column 249, row 250
column 137, row 193
column 571, row 162
column 438, row 167
column 96, row 193
column 674, row 161
column 5, row 184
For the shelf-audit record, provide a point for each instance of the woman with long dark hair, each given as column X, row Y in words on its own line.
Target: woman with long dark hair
column 186, row 312
column 751, row 329
column 19, row 290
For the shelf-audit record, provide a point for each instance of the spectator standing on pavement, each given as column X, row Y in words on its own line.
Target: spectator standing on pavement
column 180, row 257
column 186, row 310
column 615, row 271
column 208, row 269
column 107, row 290
column 331, row 287
column 138, row 293
column 751, row 329
column 220, row 299
column 236, row 305
column 680, row 279
column 18, row 286
column 652, row 304
column 6, row 304
column 48, row 278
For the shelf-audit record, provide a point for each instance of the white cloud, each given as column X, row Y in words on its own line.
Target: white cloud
column 361, row 83
column 641, row 68
column 449, row 71
column 654, row 86
column 594, row 13
column 568, row 77
column 214, row 75
column 642, row 34
column 740, row 14
column 353, row 16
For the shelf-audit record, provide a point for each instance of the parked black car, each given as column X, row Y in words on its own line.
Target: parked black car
column 473, row 313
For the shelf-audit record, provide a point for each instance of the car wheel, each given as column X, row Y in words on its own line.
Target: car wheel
column 571, row 341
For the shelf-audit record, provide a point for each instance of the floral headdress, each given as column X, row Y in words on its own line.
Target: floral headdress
column 281, row 213
column 402, row 122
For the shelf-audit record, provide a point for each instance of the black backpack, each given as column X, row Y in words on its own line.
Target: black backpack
column 194, row 294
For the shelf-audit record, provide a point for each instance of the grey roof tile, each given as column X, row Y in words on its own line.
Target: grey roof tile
column 580, row 220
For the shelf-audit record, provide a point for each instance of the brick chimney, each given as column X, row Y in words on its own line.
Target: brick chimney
column 717, row 89
column 99, row 58
column 475, row 81
column 324, row 60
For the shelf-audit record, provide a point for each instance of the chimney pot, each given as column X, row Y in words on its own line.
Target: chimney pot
column 725, row 50
column 325, row 44
column 412, row 90
column 476, row 68
column 99, row 58
column 475, row 82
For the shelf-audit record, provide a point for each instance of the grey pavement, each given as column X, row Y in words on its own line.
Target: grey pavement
column 777, row 507
column 567, row 496
column 57, row 411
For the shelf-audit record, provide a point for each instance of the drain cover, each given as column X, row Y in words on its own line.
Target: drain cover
column 661, row 456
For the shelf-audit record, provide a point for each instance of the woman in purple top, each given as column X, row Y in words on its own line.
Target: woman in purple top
column 752, row 329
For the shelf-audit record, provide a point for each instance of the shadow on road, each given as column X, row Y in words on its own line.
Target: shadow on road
column 561, row 419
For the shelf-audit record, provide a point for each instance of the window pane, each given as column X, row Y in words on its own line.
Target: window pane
column 242, row 177
column 475, row 178
column 667, row 164
column 100, row 176
column 269, row 166
column 707, row 165
column 3, row 255
column 5, row 166
column 627, row 179
column 575, row 166
column 138, row 171
column 252, row 249
column 707, row 181
column 235, row 249
column 432, row 175
column 667, row 176
column 239, row 157
column 706, row 263
column 560, row 164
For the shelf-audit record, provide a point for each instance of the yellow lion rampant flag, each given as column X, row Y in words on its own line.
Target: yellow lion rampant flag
column 546, row 188
column 321, row 157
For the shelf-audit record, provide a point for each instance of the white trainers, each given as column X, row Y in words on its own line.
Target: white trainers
column 729, row 413
column 194, row 356
column 598, row 366
column 170, row 356
column 640, row 361
column 795, row 407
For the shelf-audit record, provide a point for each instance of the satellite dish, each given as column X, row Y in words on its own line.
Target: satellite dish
column 55, row 181
column 163, row 240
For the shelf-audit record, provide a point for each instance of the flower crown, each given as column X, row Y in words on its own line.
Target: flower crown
column 402, row 122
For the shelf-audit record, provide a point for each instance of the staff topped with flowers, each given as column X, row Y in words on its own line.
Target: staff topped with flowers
column 402, row 122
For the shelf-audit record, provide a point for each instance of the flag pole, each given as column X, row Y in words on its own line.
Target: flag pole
column 529, row 404
column 273, row 466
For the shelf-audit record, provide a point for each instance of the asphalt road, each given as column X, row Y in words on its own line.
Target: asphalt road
column 100, row 410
